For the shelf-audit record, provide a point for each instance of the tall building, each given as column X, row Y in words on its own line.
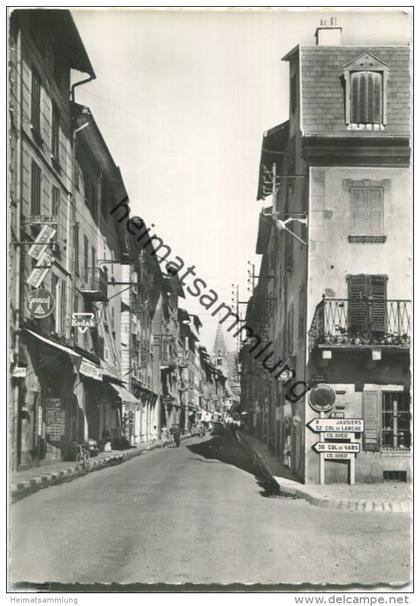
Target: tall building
column 335, row 240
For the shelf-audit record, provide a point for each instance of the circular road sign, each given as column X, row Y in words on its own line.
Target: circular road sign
column 322, row 397
column 40, row 303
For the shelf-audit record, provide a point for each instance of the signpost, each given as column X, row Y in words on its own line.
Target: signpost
column 322, row 399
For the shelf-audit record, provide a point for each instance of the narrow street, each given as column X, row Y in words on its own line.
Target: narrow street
column 197, row 514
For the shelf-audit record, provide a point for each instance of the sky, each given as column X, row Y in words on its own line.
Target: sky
column 182, row 98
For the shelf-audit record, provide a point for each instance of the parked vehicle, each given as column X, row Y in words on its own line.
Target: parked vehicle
column 197, row 430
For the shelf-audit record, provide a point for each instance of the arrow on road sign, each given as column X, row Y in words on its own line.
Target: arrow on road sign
column 337, row 447
column 342, row 425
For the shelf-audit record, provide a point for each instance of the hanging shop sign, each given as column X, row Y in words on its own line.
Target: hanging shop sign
column 40, row 303
column 19, row 372
column 42, row 239
column 83, row 321
column 41, row 269
column 322, row 397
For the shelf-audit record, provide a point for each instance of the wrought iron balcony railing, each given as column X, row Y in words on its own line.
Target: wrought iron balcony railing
column 95, row 284
column 364, row 321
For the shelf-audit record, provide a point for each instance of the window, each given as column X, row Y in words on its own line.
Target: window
column 366, row 80
column 76, row 248
column 93, row 257
column 366, row 304
column 366, row 98
column 35, row 189
column 395, row 430
column 367, row 212
column 36, row 103
column 55, row 209
column 55, row 133
column 59, row 286
column 366, row 207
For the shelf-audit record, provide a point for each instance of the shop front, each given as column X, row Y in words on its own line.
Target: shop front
column 49, row 416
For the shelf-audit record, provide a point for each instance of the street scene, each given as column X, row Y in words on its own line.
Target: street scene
column 210, row 299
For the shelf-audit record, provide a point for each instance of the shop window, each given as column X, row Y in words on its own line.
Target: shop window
column 396, row 417
column 35, row 189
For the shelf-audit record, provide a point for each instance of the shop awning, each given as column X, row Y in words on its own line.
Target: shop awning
column 75, row 358
column 124, row 394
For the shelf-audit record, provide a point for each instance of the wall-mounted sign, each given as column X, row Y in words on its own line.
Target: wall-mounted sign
column 83, row 321
column 322, row 397
column 43, row 219
column 337, row 414
column 19, row 372
column 40, row 303
column 91, row 370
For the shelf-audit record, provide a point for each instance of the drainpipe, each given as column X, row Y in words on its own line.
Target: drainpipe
column 76, row 84
column 15, row 432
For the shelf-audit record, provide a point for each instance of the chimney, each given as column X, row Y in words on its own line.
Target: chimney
column 328, row 34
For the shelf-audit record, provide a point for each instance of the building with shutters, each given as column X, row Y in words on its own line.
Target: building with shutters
column 340, row 270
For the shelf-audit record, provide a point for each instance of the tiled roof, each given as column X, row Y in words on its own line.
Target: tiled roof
column 323, row 92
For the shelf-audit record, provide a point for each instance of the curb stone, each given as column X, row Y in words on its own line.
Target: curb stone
column 365, row 505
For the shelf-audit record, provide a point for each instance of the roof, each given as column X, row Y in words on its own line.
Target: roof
column 60, row 24
column 322, row 90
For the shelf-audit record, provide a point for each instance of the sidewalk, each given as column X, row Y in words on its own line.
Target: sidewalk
column 386, row 497
column 24, row 483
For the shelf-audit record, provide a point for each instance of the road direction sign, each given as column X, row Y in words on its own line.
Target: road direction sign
column 337, row 447
column 83, row 321
column 338, row 425
column 339, row 456
column 39, row 303
column 42, row 239
column 336, row 435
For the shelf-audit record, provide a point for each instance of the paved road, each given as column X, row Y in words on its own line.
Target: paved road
column 197, row 514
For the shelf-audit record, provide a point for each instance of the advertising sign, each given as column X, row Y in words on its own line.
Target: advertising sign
column 43, row 238
column 83, row 321
column 39, row 303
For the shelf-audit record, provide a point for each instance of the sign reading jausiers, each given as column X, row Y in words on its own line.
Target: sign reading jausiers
column 338, row 425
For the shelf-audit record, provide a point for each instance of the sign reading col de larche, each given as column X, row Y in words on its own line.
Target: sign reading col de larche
column 39, row 303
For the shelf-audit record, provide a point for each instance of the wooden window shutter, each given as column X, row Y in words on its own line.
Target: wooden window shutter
column 375, row 211
column 366, row 97
column 371, row 415
column 36, row 102
column 357, row 307
column 358, row 211
column 377, row 303
column 35, row 189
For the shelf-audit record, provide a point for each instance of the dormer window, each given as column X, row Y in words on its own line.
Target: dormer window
column 366, row 80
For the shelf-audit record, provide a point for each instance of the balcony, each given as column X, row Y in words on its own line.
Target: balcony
column 95, row 284
column 341, row 323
